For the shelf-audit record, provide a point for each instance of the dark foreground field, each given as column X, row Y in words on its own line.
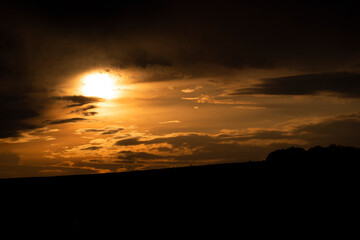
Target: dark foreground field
column 293, row 192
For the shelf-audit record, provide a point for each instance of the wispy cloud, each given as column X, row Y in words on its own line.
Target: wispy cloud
column 67, row 120
column 78, row 100
column 191, row 90
column 43, row 133
column 171, row 121
column 203, row 98
column 342, row 84
column 108, row 130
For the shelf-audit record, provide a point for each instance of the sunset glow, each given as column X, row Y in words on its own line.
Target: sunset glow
column 138, row 85
column 179, row 118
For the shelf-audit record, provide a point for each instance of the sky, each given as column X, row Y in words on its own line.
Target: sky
column 97, row 87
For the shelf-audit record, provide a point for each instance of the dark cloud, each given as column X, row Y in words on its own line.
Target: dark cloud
column 68, row 120
column 79, row 100
column 15, row 113
column 16, row 104
column 263, row 134
column 339, row 130
column 9, row 158
column 129, row 155
column 187, row 34
column 194, row 140
column 92, row 130
column 164, row 149
column 95, row 161
column 143, row 59
column 89, row 113
column 92, row 148
column 176, row 141
column 88, row 107
column 103, row 131
column 112, row 131
column 343, row 84
column 198, row 140
column 129, row 142
column 84, row 109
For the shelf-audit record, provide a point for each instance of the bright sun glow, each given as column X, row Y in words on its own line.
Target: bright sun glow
column 100, row 85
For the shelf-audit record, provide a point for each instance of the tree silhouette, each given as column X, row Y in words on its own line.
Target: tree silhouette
column 318, row 156
column 287, row 156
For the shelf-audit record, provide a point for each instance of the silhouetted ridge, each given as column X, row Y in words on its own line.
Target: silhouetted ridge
column 293, row 186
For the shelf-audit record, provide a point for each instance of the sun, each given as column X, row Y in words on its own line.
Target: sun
column 100, row 85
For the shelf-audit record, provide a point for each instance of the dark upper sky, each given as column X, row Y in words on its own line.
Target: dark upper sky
column 299, row 34
column 262, row 65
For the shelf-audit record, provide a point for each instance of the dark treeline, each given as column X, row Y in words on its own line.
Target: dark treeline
column 292, row 190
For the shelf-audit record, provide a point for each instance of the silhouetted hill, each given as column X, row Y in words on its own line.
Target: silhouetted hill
column 317, row 185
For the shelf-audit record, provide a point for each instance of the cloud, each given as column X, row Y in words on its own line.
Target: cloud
column 89, row 130
column 338, row 130
column 172, row 121
column 203, row 98
column 16, row 103
column 248, row 144
column 66, row 164
column 145, row 151
column 92, row 148
column 103, row 131
column 129, row 155
column 197, row 147
column 68, row 120
column 190, row 90
column 9, row 158
column 176, row 139
column 111, row 131
column 89, row 113
column 189, row 40
column 40, row 133
column 221, row 100
column 71, row 166
column 79, row 100
column 129, row 142
column 343, row 84
column 84, row 110
column 143, row 59
column 16, row 111
column 88, row 108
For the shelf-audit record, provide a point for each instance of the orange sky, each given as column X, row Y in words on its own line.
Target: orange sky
column 166, row 124
column 92, row 89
